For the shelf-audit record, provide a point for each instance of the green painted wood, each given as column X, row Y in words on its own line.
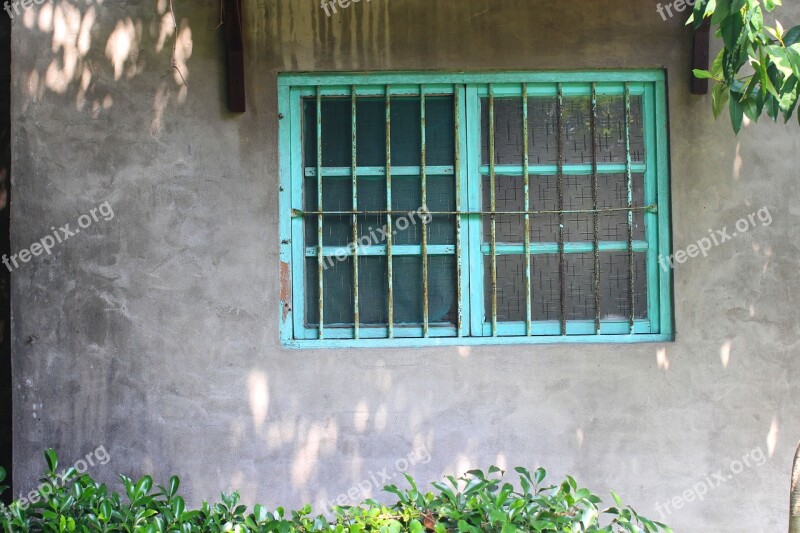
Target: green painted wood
column 664, row 216
column 434, row 341
column 365, row 172
column 569, row 169
column 538, row 248
column 286, row 306
column 474, row 223
column 398, row 79
column 471, row 327
column 295, row 186
column 651, row 217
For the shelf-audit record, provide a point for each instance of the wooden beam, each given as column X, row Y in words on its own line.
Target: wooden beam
column 700, row 54
column 235, row 45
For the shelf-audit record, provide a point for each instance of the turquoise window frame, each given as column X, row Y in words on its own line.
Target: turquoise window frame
column 472, row 327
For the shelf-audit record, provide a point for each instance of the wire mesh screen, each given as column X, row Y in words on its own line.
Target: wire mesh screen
column 483, row 211
column 379, row 216
column 548, row 279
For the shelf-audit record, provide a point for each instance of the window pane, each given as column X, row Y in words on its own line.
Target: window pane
column 612, row 192
column 578, row 287
column 610, row 129
column 614, row 288
column 511, row 304
column 408, row 290
column 576, row 130
column 407, row 197
column 338, row 291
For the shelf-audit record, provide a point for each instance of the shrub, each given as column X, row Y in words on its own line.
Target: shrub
column 474, row 503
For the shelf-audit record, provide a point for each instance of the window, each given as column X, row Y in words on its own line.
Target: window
column 447, row 209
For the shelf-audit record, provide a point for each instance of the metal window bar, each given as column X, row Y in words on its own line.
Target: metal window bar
column 389, row 223
column 596, row 216
column 560, row 186
column 321, row 258
column 425, row 332
column 629, row 176
column 356, row 318
column 457, row 182
column 526, row 178
column 529, row 249
column 492, row 207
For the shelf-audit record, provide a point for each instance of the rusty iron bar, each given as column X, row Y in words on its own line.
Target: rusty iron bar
column 457, row 179
column 493, row 207
column 353, row 104
column 596, row 215
column 629, row 175
column 389, row 226
column 560, row 186
column 527, row 185
column 652, row 208
column 424, row 186
column 320, row 264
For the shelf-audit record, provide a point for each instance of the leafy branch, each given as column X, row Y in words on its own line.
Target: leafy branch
column 758, row 69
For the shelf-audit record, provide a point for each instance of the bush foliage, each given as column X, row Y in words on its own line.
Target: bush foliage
column 474, row 503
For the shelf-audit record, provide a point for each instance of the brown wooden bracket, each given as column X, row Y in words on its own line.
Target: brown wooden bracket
column 700, row 54
column 235, row 45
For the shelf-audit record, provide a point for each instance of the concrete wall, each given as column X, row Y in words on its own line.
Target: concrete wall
column 155, row 334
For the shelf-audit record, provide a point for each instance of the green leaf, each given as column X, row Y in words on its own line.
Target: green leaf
column 52, row 460
column 751, row 109
column 719, row 97
column 792, row 36
column 701, row 74
column 737, row 112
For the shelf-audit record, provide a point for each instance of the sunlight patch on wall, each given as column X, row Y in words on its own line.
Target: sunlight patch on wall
column 772, row 436
column 661, row 359
column 258, row 397
column 725, row 353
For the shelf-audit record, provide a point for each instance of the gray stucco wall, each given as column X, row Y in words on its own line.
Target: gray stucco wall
column 155, row 334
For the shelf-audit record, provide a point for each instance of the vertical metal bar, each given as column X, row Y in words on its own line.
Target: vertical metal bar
column 355, row 216
column 560, row 180
column 526, row 174
column 593, row 129
column 629, row 176
column 389, row 223
column 425, row 207
column 492, row 206
column 320, row 263
column 457, row 183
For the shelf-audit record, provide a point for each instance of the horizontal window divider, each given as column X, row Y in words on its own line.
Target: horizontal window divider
column 541, row 248
column 651, row 208
column 380, row 90
column 574, row 327
column 344, row 80
column 380, row 250
column 347, row 172
column 367, row 331
column 435, row 341
column 568, row 89
column 569, row 169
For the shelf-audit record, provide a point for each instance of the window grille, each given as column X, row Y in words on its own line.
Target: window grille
column 423, row 209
